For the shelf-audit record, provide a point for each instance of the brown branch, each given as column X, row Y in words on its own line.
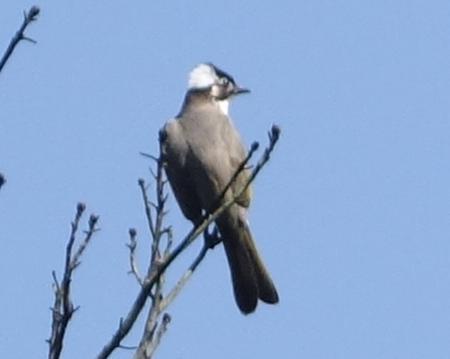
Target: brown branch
column 28, row 17
column 158, row 265
column 146, row 352
column 147, row 206
column 75, row 262
column 162, row 328
column 254, row 147
column 210, row 242
column 134, row 269
column 146, row 345
column 274, row 136
column 63, row 308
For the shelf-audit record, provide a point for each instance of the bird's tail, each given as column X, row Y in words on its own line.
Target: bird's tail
column 249, row 275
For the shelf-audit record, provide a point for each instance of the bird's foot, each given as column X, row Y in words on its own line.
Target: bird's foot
column 213, row 238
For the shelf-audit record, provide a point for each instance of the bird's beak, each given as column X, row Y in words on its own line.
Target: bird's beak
column 240, row 90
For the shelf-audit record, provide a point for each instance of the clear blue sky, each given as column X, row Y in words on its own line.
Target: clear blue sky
column 352, row 215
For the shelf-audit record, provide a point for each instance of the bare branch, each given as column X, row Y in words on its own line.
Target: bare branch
column 147, row 351
column 254, row 147
column 88, row 235
column 147, row 204
column 161, row 199
column 149, row 156
column 63, row 308
column 210, row 242
column 28, row 17
column 162, row 329
column 147, row 342
column 133, row 263
column 274, row 136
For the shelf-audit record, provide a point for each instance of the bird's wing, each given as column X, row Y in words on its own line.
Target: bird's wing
column 175, row 150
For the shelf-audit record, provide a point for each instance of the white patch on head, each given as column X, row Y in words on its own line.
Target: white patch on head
column 223, row 105
column 202, row 76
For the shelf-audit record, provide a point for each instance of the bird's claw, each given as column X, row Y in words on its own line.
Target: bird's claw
column 212, row 239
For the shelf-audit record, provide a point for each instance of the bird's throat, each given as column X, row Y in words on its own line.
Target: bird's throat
column 223, row 106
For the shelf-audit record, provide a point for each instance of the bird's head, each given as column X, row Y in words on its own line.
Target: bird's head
column 219, row 84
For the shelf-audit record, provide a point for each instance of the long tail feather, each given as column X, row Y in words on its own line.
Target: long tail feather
column 249, row 275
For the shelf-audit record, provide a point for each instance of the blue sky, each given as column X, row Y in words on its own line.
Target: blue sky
column 352, row 215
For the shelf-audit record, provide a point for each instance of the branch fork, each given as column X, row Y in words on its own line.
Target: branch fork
column 28, row 18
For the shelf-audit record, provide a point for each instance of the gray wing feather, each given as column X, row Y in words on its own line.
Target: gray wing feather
column 175, row 151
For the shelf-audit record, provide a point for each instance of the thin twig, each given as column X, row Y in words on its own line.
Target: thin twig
column 75, row 262
column 148, row 211
column 274, row 136
column 63, row 308
column 254, row 147
column 134, row 269
column 209, row 243
column 28, row 17
column 160, row 266
column 161, row 200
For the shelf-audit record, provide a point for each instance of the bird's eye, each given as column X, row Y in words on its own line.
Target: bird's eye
column 223, row 81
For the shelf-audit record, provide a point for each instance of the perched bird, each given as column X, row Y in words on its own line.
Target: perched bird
column 202, row 151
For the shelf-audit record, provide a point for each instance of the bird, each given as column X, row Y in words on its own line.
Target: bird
column 202, row 151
